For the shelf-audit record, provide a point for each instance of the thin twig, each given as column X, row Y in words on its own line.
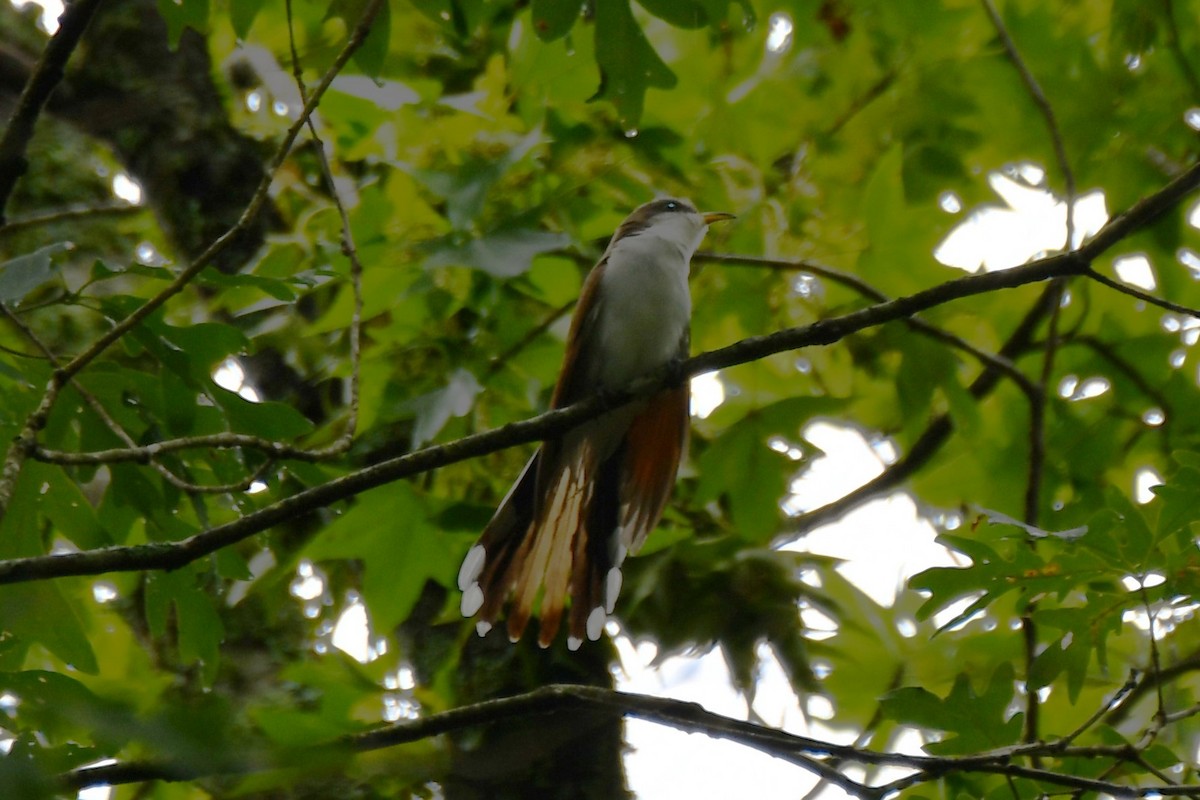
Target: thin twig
column 1037, row 405
column 530, row 336
column 72, row 214
column 860, row 103
column 342, row 443
column 1044, row 108
column 1148, row 682
column 1122, row 365
column 1160, row 710
column 144, row 453
column 1115, row 701
column 273, row 449
column 1181, row 59
column 1124, row 288
column 929, row 442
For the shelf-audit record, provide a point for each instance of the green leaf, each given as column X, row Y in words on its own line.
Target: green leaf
column 978, row 721
column 21, row 275
column 58, row 705
column 741, row 466
column 553, row 19
column 466, row 188
column 66, row 506
column 1134, row 26
column 1138, row 538
column 270, row 419
column 680, row 13
column 198, row 627
column 279, row 289
column 504, row 254
column 242, row 14
column 39, row 611
column 628, row 64
column 389, row 530
column 180, row 14
column 29, row 767
column 372, row 54
column 434, row 410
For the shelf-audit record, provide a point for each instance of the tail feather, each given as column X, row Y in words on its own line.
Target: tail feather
column 594, row 552
column 654, row 448
column 488, row 572
column 548, row 565
column 567, row 523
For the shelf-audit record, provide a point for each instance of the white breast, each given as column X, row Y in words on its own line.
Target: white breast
column 646, row 305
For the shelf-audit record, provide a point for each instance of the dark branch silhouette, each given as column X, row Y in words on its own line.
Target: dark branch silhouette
column 818, row 756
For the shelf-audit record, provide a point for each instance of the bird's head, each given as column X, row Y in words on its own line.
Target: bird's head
column 672, row 219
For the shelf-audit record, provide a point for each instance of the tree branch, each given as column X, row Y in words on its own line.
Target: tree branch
column 46, row 75
column 1044, row 108
column 806, row 752
column 71, row 214
column 859, row 285
column 1037, row 401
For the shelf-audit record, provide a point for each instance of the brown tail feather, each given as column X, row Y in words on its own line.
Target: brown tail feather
column 654, row 447
column 567, row 523
column 488, row 572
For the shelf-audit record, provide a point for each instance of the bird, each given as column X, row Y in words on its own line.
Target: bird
column 591, row 496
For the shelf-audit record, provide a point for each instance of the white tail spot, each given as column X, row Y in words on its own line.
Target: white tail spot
column 472, row 600
column 573, row 643
column 612, row 588
column 471, row 567
column 482, row 627
column 595, row 623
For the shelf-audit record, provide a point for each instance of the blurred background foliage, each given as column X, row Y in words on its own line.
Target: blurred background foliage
column 484, row 150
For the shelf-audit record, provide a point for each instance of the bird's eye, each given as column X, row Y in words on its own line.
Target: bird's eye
column 671, row 206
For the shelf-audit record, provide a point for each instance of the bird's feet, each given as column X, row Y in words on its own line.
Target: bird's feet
column 676, row 376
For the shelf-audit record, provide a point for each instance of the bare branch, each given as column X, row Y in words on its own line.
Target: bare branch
column 100, row 411
column 144, row 453
column 806, row 752
column 1037, row 401
column 72, row 214
column 1149, row 682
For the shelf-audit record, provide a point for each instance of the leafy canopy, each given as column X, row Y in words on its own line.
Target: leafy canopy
column 480, row 152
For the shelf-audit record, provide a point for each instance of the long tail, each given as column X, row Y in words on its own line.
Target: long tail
column 487, row 574
column 567, row 524
column 542, row 546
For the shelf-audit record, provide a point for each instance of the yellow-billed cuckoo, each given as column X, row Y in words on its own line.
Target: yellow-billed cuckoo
column 586, row 499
